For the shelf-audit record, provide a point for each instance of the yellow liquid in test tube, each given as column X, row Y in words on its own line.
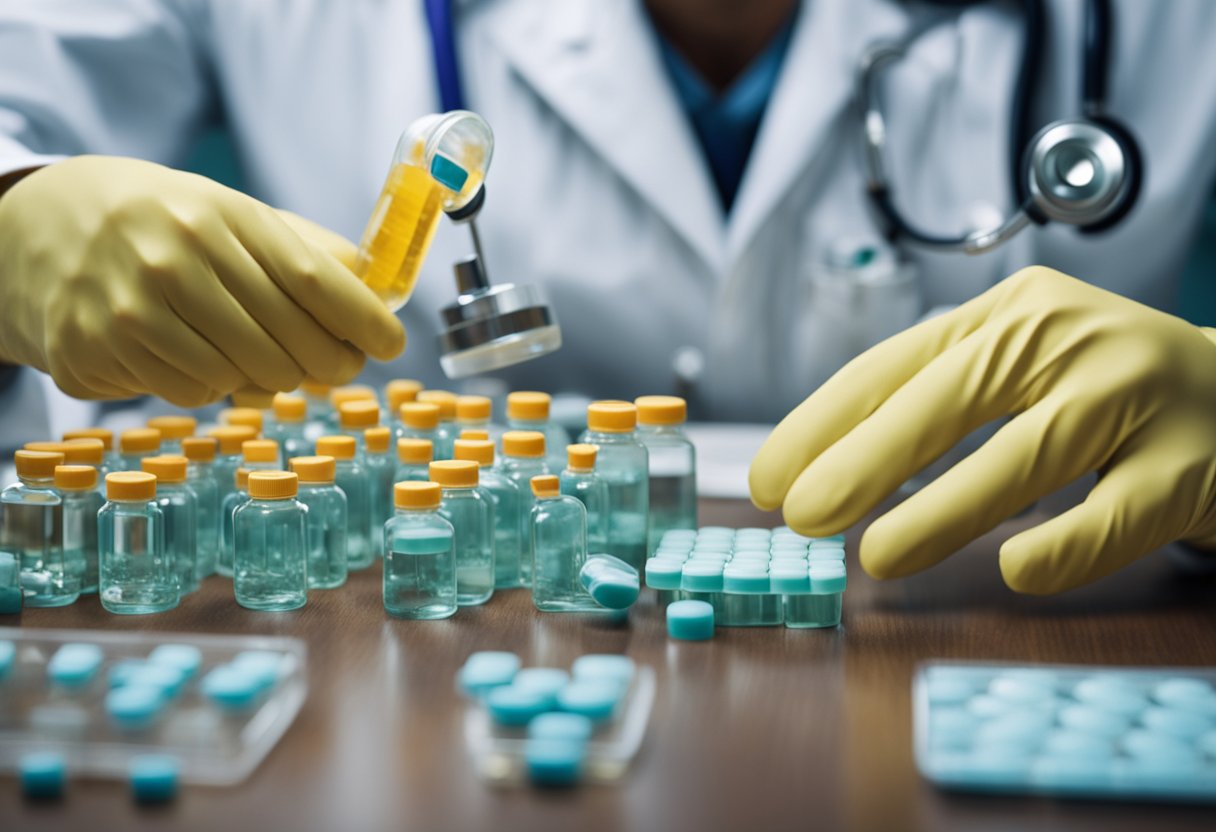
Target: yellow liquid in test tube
column 400, row 233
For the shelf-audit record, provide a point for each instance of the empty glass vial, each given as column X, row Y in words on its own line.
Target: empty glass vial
column 529, row 410
column 326, row 506
column 413, row 460
column 135, row 575
column 558, row 529
column 76, row 486
column 270, row 571
column 446, row 431
column 351, row 477
column 397, row 392
column 244, row 417
column 356, row 417
column 418, row 420
column 420, row 555
column 622, row 463
column 173, row 429
column 260, row 455
column 287, row 426
column 106, row 437
column 135, row 444
column 471, row 515
column 228, row 456
column 200, row 476
column 673, row 465
column 31, row 529
column 503, row 495
column 475, row 413
column 319, row 410
column 580, row 481
column 381, row 468
column 237, row 497
column 523, row 457
column 179, row 506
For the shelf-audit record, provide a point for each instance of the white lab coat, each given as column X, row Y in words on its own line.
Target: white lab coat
column 598, row 190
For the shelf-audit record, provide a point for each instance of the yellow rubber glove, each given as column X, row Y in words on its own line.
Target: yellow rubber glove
column 121, row 277
column 1098, row 383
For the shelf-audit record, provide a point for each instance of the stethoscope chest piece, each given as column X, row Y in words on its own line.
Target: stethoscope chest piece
column 1077, row 173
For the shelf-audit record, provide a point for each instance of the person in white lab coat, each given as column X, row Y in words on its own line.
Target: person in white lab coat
column 602, row 190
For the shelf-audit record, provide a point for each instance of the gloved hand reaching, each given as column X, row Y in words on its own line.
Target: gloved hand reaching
column 1097, row 383
column 121, row 277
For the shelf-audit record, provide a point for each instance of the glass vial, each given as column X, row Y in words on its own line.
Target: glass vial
column 381, row 467
column 523, row 457
column 234, row 500
column 420, row 555
column 270, row 571
column 475, row 413
column 471, row 516
column 76, row 486
column 200, row 476
column 31, row 529
column 260, row 455
column 529, row 410
column 135, row 575
column 106, row 437
column 244, row 417
column 397, row 392
column 179, row 506
column 673, row 465
column 580, row 481
column 87, row 451
column 418, row 420
column 134, row 445
column 287, row 427
column 622, row 463
column 447, row 430
column 173, row 429
column 326, row 504
column 558, row 529
column 503, row 495
column 339, row 396
column 356, row 417
column 228, row 457
column 351, row 477
column 414, row 457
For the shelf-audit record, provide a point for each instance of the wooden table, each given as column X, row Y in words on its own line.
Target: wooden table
column 760, row 729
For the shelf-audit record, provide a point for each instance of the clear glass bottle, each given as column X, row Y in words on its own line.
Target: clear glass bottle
column 288, row 426
column 397, row 392
column 135, row 444
column 622, row 463
column 179, row 505
column 173, row 429
column 580, row 481
column 558, row 529
column 339, row 396
column 351, row 477
column 237, row 497
column 76, row 486
column 414, row 457
column 327, row 561
column 270, row 570
column 529, row 410
column 356, row 417
column 673, row 466
column 447, row 430
column 244, row 417
column 523, row 457
column 88, row 451
column 503, row 495
column 318, row 409
column 471, row 516
column 32, row 529
column 228, row 457
column 136, row 577
column 476, row 413
column 418, row 420
column 381, row 468
column 420, row 559
column 106, row 437
column 261, row 455
column 200, row 476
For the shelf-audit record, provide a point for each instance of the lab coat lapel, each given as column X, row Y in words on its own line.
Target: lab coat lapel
column 816, row 85
column 596, row 64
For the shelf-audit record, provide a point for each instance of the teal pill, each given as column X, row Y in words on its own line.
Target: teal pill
column 700, row 577
column 601, row 666
column 1094, row 721
column 168, row 680
column 948, row 690
column 690, row 620
column 795, row 581
column 153, row 778
column 265, row 666
column 74, row 665
column 185, row 658
column 664, row 574
column 1066, row 743
column 513, row 705
column 1177, row 723
column 1187, row 694
column 554, row 762
column 134, row 706
column 561, row 726
column 447, row 173
column 1110, row 694
column 232, row 688
column 745, row 582
column 825, row 555
column 612, row 582
column 546, row 681
column 485, row 670
column 1022, row 690
column 831, row 542
column 43, row 774
column 595, row 699
column 827, row 578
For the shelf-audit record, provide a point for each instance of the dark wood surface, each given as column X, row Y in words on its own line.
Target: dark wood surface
column 760, row 729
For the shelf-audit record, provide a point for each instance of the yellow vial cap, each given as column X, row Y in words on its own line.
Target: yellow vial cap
column 528, row 406
column 315, row 389
column 83, row 452
column 231, row 437
column 174, row 427
column 377, row 439
column 581, row 457
column 104, row 434
column 525, row 443
column 273, row 485
column 401, row 390
column 240, row 478
column 313, row 468
column 167, row 468
column 545, row 485
column 37, row 464
column 242, row 416
column 415, row 451
column 444, row 399
column 339, row 447
column 139, row 440
column 474, row 433
column 75, row 477
column 339, row 396
column 473, row 408
column 611, row 417
column 480, row 451
column 130, row 486
column 260, row 450
column 661, row 410
column 289, row 408
column 363, row 413
column 454, row 473
column 200, row 448
column 417, row 494
column 419, row 415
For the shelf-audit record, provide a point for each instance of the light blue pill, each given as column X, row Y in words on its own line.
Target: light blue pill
column 1207, row 745
column 753, row 531
column 826, row 555
column 134, row 706
column 1187, row 694
column 662, row 574
column 751, row 556
column 153, row 778
column 487, row 669
column 74, row 665
column 546, row 681
column 43, row 774
column 266, row 665
column 701, row 577
column 1177, row 723
column 690, row 620
column 1154, row 745
column 830, row 542
column 185, row 658
column 168, row 680
column 600, row 666
column 791, row 555
column 745, row 582
column 554, row 762
column 612, row 582
column 1066, row 743
column 827, row 578
column 121, row 671
column 595, row 699
column 8, row 652
column 715, row 530
column 792, row 581
column 677, row 536
column 947, row 690
column 987, row 706
column 995, row 766
column 1024, row 729
column 1074, row 774
column 678, row 552
column 232, row 688
column 514, row 705
column 561, row 726
column 1093, row 720
column 712, row 545
column 1022, row 690
column 1111, row 694
column 952, row 727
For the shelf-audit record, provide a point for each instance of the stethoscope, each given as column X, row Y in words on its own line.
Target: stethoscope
column 1086, row 171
